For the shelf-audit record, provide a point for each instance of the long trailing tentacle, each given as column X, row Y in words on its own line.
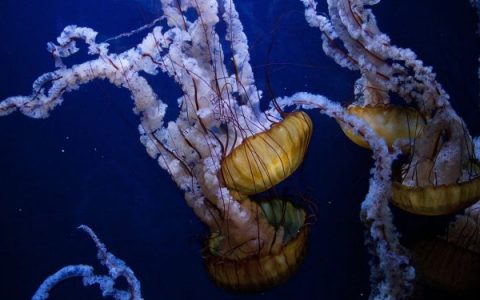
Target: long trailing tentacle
column 116, row 268
column 391, row 272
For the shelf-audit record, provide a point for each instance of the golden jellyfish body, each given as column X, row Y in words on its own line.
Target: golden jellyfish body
column 390, row 122
column 256, row 165
column 436, row 150
column 442, row 175
column 267, row 158
column 436, row 200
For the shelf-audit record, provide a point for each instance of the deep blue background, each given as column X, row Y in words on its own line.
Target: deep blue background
column 104, row 178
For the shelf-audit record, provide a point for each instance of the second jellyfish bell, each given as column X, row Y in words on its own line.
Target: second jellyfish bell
column 442, row 175
column 391, row 122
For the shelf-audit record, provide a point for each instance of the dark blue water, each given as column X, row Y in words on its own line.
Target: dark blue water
column 85, row 165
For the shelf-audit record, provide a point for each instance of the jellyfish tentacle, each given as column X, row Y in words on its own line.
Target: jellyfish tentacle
column 116, row 268
column 393, row 271
column 441, row 175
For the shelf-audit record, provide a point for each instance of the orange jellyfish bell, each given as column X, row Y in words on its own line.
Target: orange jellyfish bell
column 267, row 158
column 436, row 200
column 273, row 264
column 442, row 175
column 389, row 122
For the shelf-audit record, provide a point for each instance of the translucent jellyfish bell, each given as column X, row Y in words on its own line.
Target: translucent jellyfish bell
column 391, row 122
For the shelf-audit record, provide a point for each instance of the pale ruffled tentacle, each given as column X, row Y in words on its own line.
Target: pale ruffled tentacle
column 116, row 268
column 392, row 275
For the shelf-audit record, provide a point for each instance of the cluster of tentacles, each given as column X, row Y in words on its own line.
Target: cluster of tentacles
column 438, row 171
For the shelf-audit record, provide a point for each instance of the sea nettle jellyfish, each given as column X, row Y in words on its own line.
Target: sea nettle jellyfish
column 438, row 171
column 441, row 174
column 221, row 148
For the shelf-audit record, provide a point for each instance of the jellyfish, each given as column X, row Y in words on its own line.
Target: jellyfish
column 440, row 175
column 220, row 149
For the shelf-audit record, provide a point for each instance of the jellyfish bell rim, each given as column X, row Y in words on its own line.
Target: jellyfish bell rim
column 436, row 200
